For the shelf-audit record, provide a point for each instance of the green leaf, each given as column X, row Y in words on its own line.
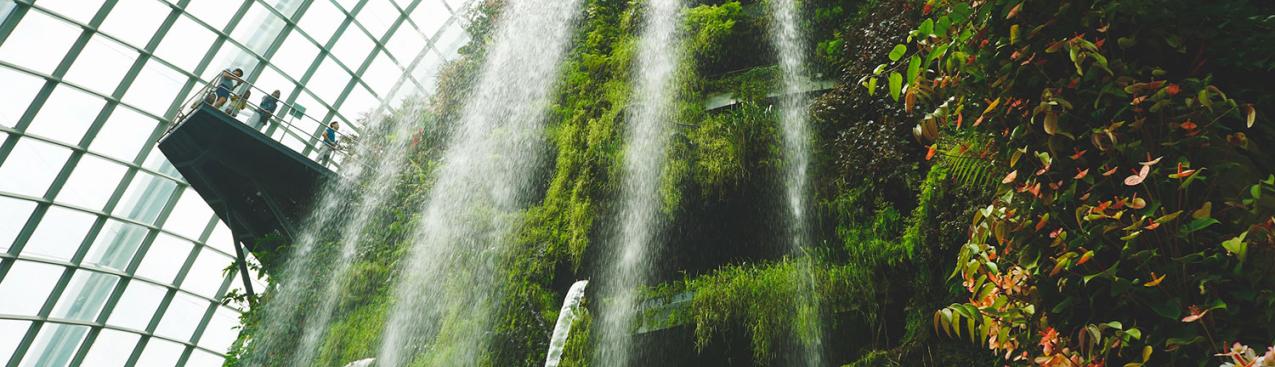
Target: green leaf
column 935, row 54
column 896, row 85
column 914, row 68
column 872, row 86
column 897, row 52
column 1198, row 224
column 1237, row 246
column 1255, row 191
column 926, row 28
column 1134, row 333
column 1170, row 309
column 942, row 25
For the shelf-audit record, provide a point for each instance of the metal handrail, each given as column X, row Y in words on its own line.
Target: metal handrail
column 206, row 95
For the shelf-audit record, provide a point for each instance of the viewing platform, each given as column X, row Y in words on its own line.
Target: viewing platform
column 257, row 184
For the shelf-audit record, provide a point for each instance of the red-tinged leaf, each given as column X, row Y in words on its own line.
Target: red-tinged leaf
column 960, row 119
column 1055, row 232
column 1188, row 125
column 1035, row 190
column 1151, row 162
column 1152, row 226
column 925, row 10
column 1102, row 207
column 1100, row 42
column 1040, row 224
column 1250, row 115
column 1137, row 202
column 1103, row 28
column 1013, row 12
column 1084, row 197
column 1081, row 174
column 1110, row 172
column 1155, row 280
column 1010, row 177
column 980, row 119
column 1173, row 89
column 1084, row 258
column 1137, row 178
column 1055, row 185
column 930, row 153
column 1079, row 153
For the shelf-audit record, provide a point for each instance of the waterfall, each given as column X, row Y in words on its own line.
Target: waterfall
column 449, row 286
column 303, row 278
column 562, row 329
column 786, row 34
column 629, row 260
column 374, row 196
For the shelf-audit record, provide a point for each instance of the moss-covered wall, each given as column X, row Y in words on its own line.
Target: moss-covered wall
column 890, row 218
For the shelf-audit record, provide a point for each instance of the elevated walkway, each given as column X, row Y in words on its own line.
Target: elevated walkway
column 257, row 184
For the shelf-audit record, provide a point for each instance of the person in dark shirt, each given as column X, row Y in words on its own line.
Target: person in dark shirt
column 266, row 109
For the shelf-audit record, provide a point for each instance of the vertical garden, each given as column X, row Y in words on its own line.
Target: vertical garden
column 998, row 182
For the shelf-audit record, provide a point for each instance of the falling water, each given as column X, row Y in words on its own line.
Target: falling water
column 386, row 169
column 649, row 118
column 449, row 286
column 562, row 329
column 789, row 41
column 285, row 314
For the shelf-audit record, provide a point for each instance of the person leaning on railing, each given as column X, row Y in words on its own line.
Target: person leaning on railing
column 330, row 143
column 229, row 80
column 266, row 109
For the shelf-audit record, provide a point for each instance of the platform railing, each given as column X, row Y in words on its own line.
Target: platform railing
column 286, row 117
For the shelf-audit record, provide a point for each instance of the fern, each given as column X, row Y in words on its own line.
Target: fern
column 965, row 161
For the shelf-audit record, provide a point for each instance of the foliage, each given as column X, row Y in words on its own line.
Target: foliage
column 1069, row 229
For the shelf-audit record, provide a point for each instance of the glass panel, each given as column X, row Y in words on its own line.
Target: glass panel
column 6, row 8
column 33, row 281
column 19, row 89
column 206, row 274
column 145, row 198
column 450, row 40
column 92, row 183
column 102, row 64
column 214, row 12
column 382, row 74
column 353, row 48
column 284, row 7
column 426, row 72
column 153, row 90
column 186, row 43
column 115, row 244
column 221, row 330
column 137, row 305
column 190, row 216
column 405, row 44
column 258, row 29
column 182, row 317
column 377, row 16
column 78, row 10
column 359, row 105
column 230, row 57
column 347, row 4
column 112, row 348
column 160, row 353
column 39, row 42
column 321, row 20
column 271, row 80
column 430, row 15
column 329, row 81
column 56, row 345
column 164, row 259
column 295, row 55
column 85, row 295
column 11, row 333
column 456, row 4
column 67, row 115
column 31, row 167
column 156, row 161
column 220, row 238
column 59, row 234
column 124, row 133
column 13, row 215
column 199, row 358
column 135, row 21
